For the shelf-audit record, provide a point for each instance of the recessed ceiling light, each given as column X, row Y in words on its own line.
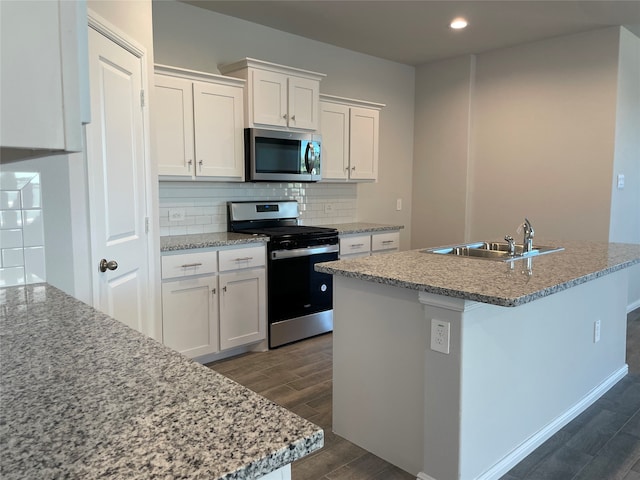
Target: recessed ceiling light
column 458, row 23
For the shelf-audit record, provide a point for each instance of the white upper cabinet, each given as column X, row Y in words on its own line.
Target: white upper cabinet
column 278, row 96
column 198, row 125
column 43, row 77
column 350, row 132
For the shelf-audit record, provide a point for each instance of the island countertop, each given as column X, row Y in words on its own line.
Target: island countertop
column 84, row 396
column 488, row 281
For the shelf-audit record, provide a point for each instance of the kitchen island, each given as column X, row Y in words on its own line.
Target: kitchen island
column 84, row 396
column 518, row 349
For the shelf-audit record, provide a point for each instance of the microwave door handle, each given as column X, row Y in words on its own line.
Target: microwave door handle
column 308, row 157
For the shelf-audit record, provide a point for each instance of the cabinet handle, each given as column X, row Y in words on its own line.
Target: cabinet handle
column 244, row 259
column 357, row 245
column 200, row 163
column 187, row 265
column 353, row 168
column 284, row 116
column 224, row 289
column 189, row 163
column 213, row 291
column 386, row 242
column 293, row 117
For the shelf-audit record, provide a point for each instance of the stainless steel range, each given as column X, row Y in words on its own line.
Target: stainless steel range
column 300, row 300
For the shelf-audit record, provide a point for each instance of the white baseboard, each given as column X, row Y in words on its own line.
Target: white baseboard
column 424, row 476
column 533, row 442
column 632, row 306
column 525, row 448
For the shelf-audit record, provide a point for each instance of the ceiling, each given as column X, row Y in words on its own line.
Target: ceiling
column 417, row 32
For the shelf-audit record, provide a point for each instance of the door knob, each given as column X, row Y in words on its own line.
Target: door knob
column 104, row 265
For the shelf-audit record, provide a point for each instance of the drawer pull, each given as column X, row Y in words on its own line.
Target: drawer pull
column 387, row 242
column 357, row 245
column 187, row 265
column 244, row 259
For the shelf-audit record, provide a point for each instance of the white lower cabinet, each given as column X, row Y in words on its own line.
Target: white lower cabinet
column 190, row 315
column 364, row 245
column 385, row 242
column 352, row 246
column 242, row 308
column 213, row 300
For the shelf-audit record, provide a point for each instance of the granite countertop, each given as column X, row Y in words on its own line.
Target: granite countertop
column 362, row 227
column 84, row 396
column 204, row 240
column 490, row 281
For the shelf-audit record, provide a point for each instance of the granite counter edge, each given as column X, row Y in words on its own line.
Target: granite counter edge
column 466, row 295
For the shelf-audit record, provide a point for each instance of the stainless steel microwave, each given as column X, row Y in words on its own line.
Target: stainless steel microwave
column 278, row 156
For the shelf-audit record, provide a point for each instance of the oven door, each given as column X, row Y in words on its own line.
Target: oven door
column 298, row 296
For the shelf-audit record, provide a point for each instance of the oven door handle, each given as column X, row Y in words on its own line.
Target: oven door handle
column 303, row 252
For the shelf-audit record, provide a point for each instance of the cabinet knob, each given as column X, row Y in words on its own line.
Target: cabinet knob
column 353, row 168
column 189, row 163
column 293, row 117
column 284, row 116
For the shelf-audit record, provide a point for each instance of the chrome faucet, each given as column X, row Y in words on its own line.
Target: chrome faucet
column 527, row 243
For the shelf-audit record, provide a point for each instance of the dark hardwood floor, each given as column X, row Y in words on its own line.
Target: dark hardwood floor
column 603, row 443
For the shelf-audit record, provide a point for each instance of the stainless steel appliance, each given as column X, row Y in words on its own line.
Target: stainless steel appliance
column 278, row 156
column 299, row 299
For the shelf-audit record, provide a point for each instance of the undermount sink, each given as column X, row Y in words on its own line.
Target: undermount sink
column 491, row 251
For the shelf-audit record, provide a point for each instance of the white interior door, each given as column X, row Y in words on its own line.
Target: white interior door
column 116, row 179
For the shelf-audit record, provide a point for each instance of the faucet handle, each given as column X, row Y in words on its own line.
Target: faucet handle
column 528, row 228
column 512, row 244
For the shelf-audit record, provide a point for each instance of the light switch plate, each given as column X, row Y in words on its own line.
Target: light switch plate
column 620, row 181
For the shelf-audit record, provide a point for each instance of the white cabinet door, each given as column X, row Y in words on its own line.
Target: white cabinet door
column 41, row 76
column 174, row 126
column 242, row 307
column 363, row 149
column 334, row 122
column 190, row 315
column 219, row 141
column 303, row 103
column 269, row 98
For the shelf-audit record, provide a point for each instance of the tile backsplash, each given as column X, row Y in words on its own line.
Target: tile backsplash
column 201, row 207
column 22, row 258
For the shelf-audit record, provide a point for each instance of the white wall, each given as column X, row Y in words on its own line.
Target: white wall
column 197, row 39
column 543, row 128
column 441, row 146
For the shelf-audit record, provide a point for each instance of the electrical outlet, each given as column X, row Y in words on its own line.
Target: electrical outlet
column 440, row 336
column 399, row 204
column 176, row 214
column 328, row 208
column 596, row 331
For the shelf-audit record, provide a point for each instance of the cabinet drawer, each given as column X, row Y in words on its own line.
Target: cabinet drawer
column 242, row 258
column 359, row 244
column 385, row 241
column 188, row 264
